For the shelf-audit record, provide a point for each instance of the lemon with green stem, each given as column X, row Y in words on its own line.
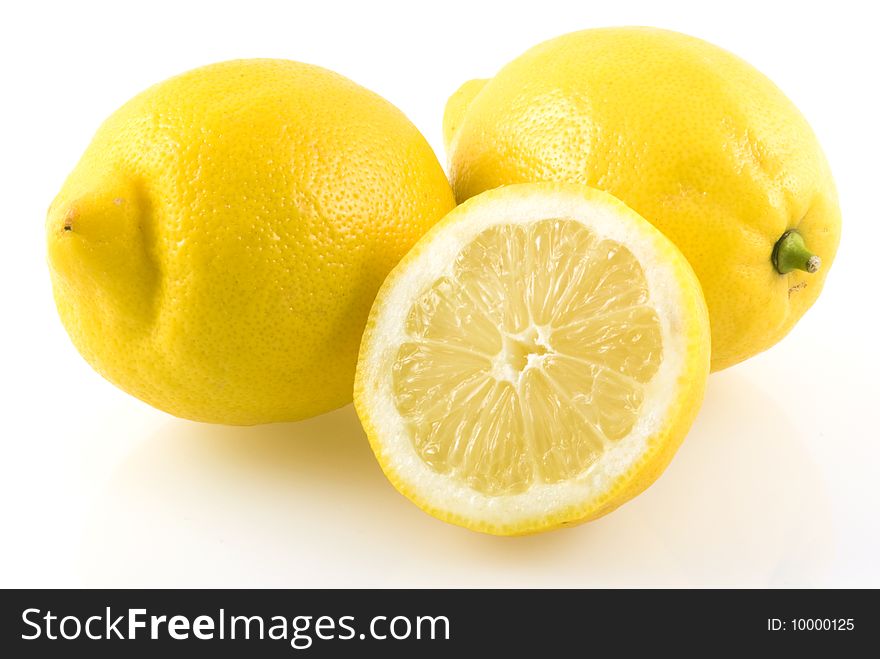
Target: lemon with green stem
column 693, row 138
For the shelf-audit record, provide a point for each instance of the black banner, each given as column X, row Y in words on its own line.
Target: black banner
column 289, row 623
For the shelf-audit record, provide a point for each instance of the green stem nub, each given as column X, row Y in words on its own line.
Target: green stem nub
column 791, row 253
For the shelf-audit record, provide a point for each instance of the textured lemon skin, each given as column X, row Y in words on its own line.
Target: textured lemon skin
column 661, row 446
column 216, row 250
column 693, row 138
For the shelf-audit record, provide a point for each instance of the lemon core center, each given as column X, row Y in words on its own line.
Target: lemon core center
column 520, row 352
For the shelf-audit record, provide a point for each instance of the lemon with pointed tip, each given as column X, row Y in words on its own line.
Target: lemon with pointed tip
column 534, row 361
column 693, row 138
column 216, row 250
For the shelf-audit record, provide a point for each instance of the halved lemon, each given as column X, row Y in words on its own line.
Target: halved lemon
column 534, row 361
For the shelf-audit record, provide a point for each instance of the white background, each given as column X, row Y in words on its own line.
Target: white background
column 777, row 484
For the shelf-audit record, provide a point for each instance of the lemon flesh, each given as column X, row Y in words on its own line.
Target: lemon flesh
column 545, row 374
column 534, row 361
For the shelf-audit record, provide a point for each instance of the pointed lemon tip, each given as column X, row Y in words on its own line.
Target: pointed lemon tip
column 96, row 206
column 95, row 233
column 456, row 107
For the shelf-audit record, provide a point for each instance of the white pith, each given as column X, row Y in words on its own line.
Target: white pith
column 433, row 260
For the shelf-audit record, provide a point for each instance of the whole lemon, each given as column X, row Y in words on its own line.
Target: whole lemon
column 693, row 138
column 217, row 248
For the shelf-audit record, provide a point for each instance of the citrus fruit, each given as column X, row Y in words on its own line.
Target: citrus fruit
column 217, row 248
column 694, row 139
column 534, row 361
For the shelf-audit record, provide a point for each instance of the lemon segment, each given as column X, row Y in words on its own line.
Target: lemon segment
column 533, row 361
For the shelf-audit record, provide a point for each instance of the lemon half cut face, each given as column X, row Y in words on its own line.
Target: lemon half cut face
column 534, row 361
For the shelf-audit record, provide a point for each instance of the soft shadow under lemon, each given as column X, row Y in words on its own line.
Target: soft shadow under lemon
column 305, row 504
